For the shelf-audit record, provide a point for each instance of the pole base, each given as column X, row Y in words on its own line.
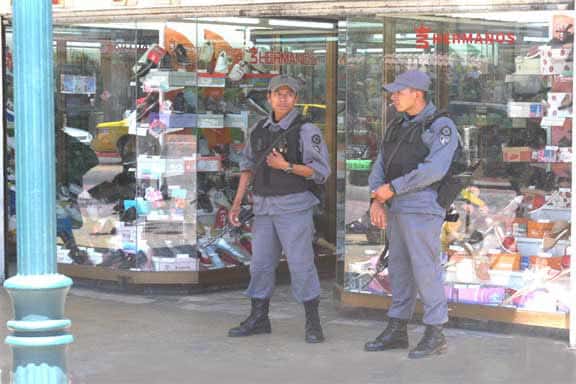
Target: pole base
column 40, row 339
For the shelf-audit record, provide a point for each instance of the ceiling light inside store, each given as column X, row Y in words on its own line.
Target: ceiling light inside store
column 130, row 26
column 536, row 39
column 406, row 36
column 355, row 25
column 370, row 50
column 300, row 24
column 320, row 39
column 409, row 50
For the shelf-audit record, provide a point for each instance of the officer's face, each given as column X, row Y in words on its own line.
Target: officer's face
column 282, row 101
column 405, row 100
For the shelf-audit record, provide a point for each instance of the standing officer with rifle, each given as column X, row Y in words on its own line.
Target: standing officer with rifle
column 285, row 156
column 414, row 158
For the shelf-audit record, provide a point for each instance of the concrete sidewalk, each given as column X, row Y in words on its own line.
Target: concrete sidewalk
column 182, row 339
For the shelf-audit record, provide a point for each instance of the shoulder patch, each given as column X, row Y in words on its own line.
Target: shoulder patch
column 316, row 139
column 445, row 134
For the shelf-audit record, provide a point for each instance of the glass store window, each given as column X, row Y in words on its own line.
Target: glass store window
column 506, row 80
column 150, row 122
column 85, row 70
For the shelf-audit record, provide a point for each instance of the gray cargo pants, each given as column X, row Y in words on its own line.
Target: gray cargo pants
column 415, row 267
column 291, row 233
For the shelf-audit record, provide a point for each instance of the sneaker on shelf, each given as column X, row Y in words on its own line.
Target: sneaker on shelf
column 181, row 54
column 221, row 63
column 238, row 71
column 206, row 52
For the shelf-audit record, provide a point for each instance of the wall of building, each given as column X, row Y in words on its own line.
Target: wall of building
column 78, row 10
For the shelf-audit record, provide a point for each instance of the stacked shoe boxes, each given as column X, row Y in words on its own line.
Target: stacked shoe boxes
column 555, row 60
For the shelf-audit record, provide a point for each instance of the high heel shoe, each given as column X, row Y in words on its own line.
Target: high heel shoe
column 550, row 242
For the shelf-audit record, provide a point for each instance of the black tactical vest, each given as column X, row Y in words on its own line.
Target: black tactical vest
column 273, row 182
column 402, row 148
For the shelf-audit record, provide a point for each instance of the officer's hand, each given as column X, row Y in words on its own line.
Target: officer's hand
column 276, row 160
column 233, row 216
column 383, row 193
column 377, row 215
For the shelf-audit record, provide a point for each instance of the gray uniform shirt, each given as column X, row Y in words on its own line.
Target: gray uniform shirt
column 314, row 155
column 413, row 192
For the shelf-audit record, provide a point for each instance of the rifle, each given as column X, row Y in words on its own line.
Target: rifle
column 381, row 264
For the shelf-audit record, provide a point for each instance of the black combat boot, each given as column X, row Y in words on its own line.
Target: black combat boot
column 394, row 336
column 313, row 328
column 258, row 321
column 432, row 343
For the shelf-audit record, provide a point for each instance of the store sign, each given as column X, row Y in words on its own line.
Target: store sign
column 280, row 57
column 424, row 35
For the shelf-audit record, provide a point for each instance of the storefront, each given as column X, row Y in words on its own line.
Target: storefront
column 150, row 121
column 506, row 80
column 152, row 109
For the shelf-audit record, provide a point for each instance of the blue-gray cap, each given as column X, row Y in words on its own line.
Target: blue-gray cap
column 284, row 81
column 410, row 79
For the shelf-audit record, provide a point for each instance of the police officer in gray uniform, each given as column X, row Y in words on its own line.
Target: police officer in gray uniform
column 295, row 155
column 414, row 156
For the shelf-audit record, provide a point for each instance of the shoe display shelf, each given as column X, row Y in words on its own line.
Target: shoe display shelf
column 185, row 184
column 523, row 278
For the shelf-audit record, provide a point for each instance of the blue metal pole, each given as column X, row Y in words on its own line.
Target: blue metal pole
column 39, row 339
